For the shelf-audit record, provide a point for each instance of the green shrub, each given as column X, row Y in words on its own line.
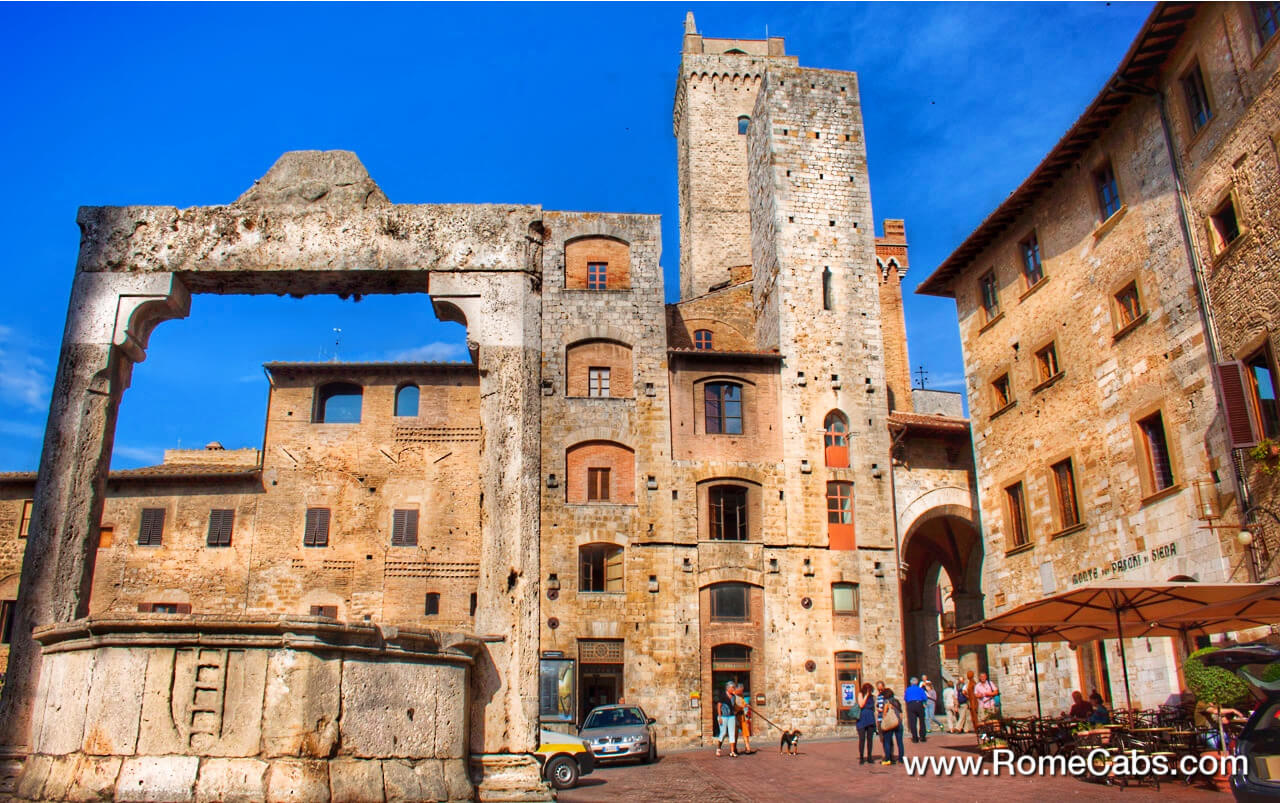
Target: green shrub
column 1212, row 684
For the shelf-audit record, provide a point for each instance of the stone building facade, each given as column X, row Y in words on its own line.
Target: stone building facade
column 617, row 498
column 1093, row 307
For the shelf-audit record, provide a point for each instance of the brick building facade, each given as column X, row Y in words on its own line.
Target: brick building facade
column 1093, row 306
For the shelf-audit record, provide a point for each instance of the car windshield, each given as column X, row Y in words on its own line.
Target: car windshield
column 614, row 718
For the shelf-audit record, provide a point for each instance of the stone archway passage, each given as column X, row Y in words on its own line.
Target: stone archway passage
column 942, row 539
column 316, row 223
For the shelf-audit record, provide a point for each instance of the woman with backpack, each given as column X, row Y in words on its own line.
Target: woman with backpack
column 890, row 725
column 866, row 724
column 963, row 718
column 728, row 719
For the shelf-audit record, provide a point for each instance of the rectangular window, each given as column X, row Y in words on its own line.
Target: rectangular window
column 1047, row 362
column 317, row 529
column 1017, row 509
column 597, row 485
column 1002, row 392
column 151, row 528
column 598, row 382
column 433, row 604
column 840, row 532
column 24, row 523
column 1064, row 484
column 1156, row 452
column 1032, row 267
column 597, row 275
column 1262, row 384
column 730, row 602
column 844, row 598
column 1128, row 305
column 327, row 611
column 220, row 522
column 1224, row 226
column 473, row 603
column 404, row 527
column 728, row 505
column 702, row 339
column 8, row 610
column 723, row 408
column 990, row 295
column 600, row 568
column 1197, row 98
column 1108, row 193
column 1266, row 15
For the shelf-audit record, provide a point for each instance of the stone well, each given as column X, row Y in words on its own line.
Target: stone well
column 159, row 707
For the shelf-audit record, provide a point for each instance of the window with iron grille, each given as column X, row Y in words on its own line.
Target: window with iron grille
column 1108, row 192
column 404, row 527
column 1197, row 97
column 1032, row 267
column 1016, row 506
column 702, row 339
column 728, row 504
column 598, row 484
column 598, row 382
column 1266, row 16
column 220, row 523
column 1064, row 483
column 151, row 528
column 1156, row 452
column 317, row 529
column 990, row 294
column 433, row 604
column 597, row 275
column 723, row 407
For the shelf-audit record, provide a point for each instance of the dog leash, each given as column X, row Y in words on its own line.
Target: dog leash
column 756, row 713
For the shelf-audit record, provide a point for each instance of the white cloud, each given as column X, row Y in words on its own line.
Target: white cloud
column 437, row 351
column 143, row 455
column 24, row 381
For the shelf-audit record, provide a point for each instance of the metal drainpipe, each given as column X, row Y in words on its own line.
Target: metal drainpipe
column 1197, row 275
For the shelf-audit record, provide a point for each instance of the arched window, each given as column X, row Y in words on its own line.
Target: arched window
column 743, row 122
column 337, row 403
column 407, row 401
column 836, row 439
column 702, row 339
column 828, row 295
column 599, row 568
column 597, row 263
column 728, row 508
column 723, row 406
column 840, row 515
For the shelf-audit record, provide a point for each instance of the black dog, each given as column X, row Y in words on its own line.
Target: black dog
column 790, row 742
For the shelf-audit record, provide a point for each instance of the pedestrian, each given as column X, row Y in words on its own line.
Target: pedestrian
column 988, row 695
column 728, row 722
column 915, row 699
column 866, row 724
column 931, row 706
column 1100, row 715
column 971, row 699
column 890, row 726
column 742, row 711
column 949, row 703
column 1080, row 707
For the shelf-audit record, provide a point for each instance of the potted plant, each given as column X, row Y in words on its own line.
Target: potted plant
column 1267, row 455
column 1218, row 687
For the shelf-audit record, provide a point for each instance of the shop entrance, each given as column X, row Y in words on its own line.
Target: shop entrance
column 1094, row 675
column 600, row 675
column 730, row 663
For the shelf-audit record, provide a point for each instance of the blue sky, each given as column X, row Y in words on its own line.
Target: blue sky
column 188, row 104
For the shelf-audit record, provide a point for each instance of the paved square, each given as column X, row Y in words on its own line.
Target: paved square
column 829, row 770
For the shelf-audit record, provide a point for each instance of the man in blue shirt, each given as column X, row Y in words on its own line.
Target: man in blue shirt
column 915, row 699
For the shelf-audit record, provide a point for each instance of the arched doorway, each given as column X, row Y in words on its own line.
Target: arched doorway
column 941, row 591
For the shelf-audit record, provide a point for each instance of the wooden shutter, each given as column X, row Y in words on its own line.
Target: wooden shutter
column 220, row 522
column 328, row 611
column 1237, row 404
column 613, row 570
column 404, row 528
column 317, row 531
column 151, row 530
column 144, row 607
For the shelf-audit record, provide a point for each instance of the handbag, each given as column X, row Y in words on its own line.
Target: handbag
column 889, row 721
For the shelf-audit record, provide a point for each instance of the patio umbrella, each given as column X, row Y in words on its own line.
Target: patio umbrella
column 1113, row 608
column 993, row 631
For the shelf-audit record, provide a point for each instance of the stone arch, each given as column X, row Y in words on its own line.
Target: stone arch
column 9, row 587
column 614, row 356
column 583, row 250
column 597, row 331
column 724, row 336
column 617, row 460
column 730, row 574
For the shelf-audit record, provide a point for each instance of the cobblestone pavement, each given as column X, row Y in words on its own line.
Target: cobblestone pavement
column 829, row 770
